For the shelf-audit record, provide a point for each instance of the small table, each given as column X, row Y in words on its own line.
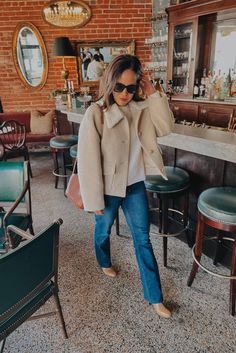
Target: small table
column 75, row 116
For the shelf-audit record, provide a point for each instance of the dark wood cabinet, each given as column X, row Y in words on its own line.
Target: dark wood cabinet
column 209, row 113
column 184, row 110
column 192, row 40
column 215, row 115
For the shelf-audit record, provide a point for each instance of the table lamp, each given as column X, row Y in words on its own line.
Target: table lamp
column 62, row 48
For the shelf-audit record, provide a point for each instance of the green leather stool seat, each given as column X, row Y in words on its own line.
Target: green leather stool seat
column 219, row 204
column 63, row 141
column 178, row 179
column 172, row 216
column 73, row 151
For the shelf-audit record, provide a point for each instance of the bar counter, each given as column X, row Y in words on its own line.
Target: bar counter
column 209, row 156
column 208, row 142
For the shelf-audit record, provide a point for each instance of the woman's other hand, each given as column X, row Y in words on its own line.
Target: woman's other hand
column 146, row 85
column 99, row 212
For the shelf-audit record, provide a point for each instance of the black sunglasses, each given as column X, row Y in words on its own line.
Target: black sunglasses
column 119, row 87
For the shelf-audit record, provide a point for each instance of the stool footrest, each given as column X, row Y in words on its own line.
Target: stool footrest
column 170, row 234
column 56, row 172
column 205, row 268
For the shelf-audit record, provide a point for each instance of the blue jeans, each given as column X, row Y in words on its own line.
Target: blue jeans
column 135, row 208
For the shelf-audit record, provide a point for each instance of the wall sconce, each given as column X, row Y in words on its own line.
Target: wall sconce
column 63, row 13
column 62, row 48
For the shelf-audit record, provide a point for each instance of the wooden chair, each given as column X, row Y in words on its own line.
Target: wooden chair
column 15, row 201
column 31, row 278
column 12, row 137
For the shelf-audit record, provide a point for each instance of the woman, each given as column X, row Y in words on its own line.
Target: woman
column 95, row 69
column 117, row 148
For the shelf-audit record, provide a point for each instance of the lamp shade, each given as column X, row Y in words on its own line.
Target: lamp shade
column 62, row 47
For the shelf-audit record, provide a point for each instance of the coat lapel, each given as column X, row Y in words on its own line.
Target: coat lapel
column 114, row 115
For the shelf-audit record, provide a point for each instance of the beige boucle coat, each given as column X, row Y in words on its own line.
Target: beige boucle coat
column 103, row 147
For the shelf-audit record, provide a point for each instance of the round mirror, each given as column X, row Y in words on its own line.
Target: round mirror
column 30, row 55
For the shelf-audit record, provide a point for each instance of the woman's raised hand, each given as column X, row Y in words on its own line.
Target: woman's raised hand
column 146, row 85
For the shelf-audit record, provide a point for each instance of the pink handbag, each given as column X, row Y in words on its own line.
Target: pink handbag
column 73, row 189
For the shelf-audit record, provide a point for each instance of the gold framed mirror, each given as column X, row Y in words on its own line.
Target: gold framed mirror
column 30, row 55
column 93, row 57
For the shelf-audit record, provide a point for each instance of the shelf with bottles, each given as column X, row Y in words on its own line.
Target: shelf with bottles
column 155, row 66
column 216, row 86
column 155, row 42
column 159, row 16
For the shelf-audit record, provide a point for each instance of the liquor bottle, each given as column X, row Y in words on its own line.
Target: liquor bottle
column 196, row 89
column 203, row 79
column 226, row 87
column 229, row 83
column 233, row 84
column 209, row 86
column 202, row 90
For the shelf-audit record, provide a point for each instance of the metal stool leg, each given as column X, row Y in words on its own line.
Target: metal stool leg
column 233, row 282
column 198, row 250
column 218, row 248
column 185, row 219
column 64, row 170
column 56, row 167
column 160, row 214
column 164, row 211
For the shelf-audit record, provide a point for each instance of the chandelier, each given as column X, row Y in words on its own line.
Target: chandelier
column 66, row 13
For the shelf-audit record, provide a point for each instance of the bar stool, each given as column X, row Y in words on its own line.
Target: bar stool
column 73, row 154
column 73, row 151
column 60, row 146
column 165, row 191
column 217, row 209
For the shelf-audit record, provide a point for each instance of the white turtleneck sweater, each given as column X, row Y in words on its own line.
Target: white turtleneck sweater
column 136, row 171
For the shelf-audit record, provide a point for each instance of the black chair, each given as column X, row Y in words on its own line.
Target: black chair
column 31, row 278
column 15, row 201
column 12, row 138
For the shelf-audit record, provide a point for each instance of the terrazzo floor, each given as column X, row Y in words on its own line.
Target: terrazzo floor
column 105, row 315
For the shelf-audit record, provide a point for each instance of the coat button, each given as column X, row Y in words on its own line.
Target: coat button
column 123, row 141
column 151, row 151
column 140, row 133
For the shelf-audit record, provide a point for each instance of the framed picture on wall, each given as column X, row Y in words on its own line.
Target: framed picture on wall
column 119, row 51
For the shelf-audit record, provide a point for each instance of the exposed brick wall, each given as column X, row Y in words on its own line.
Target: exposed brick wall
column 111, row 20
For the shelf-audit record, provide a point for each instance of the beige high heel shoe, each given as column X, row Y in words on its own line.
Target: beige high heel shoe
column 161, row 310
column 109, row 271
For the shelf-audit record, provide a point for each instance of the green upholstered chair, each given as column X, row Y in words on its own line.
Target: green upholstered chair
column 30, row 279
column 217, row 209
column 60, row 147
column 167, row 191
column 15, row 201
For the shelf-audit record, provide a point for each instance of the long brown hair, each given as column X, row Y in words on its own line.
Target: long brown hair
column 113, row 71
